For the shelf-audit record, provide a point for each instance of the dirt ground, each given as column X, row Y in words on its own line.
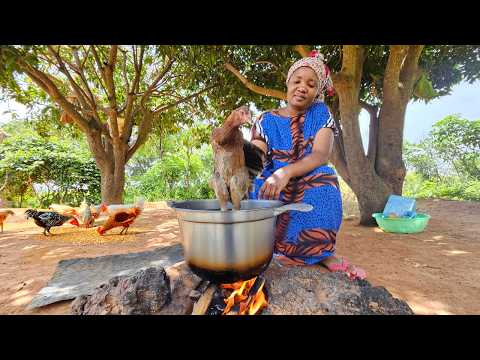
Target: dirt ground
column 436, row 272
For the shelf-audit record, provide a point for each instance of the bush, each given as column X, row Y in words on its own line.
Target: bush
column 42, row 171
column 177, row 175
column 452, row 188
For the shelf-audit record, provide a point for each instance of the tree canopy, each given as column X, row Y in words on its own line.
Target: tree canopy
column 113, row 94
column 49, row 168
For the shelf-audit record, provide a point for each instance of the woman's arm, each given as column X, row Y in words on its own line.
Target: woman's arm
column 321, row 151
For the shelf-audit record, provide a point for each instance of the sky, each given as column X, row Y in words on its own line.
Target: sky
column 464, row 100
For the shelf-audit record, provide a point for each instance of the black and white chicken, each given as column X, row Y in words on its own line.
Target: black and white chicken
column 49, row 219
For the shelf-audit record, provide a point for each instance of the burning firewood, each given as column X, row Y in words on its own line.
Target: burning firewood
column 240, row 298
column 247, row 297
column 201, row 306
column 235, row 310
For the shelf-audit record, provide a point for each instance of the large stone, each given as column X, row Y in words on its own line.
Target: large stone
column 145, row 292
column 81, row 276
column 312, row 290
column 300, row 290
column 183, row 283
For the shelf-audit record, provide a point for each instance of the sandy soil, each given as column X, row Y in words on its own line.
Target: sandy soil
column 436, row 272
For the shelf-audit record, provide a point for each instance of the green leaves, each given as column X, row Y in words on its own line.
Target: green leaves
column 175, row 166
column 63, row 168
column 447, row 163
column 452, row 188
column 458, row 142
column 452, row 147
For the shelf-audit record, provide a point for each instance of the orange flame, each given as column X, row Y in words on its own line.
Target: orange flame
column 246, row 303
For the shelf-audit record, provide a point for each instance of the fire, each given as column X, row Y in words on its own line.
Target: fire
column 247, row 297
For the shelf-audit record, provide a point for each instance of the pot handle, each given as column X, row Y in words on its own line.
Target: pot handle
column 293, row 206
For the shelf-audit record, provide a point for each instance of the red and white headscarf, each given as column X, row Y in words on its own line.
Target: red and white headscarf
column 315, row 61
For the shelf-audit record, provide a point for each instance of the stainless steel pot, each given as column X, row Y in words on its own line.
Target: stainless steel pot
column 233, row 245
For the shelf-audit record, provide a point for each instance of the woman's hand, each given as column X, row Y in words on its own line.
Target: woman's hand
column 240, row 116
column 272, row 187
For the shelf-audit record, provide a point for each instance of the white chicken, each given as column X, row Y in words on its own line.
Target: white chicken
column 110, row 209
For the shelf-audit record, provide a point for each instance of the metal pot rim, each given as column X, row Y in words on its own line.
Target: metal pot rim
column 173, row 204
column 208, row 211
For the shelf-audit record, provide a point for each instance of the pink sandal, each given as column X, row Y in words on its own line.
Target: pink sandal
column 356, row 273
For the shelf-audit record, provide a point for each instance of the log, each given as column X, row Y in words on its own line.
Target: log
column 202, row 287
column 256, row 287
column 195, row 295
column 201, row 306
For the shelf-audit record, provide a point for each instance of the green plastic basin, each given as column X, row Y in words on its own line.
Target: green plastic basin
column 402, row 225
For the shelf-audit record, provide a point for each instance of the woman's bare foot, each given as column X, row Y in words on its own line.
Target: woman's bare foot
column 333, row 263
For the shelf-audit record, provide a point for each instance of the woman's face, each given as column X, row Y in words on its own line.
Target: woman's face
column 302, row 88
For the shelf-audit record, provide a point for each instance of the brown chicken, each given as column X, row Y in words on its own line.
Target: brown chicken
column 120, row 218
column 3, row 216
column 232, row 174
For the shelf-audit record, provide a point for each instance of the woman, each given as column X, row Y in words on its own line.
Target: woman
column 298, row 141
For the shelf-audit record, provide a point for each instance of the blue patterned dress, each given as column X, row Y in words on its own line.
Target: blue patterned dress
column 301, row 237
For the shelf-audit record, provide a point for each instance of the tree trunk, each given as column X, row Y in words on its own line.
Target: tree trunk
column 370, row 189
column 111, row 162
column 401, row 74
column 389, row 162
column 112, row 183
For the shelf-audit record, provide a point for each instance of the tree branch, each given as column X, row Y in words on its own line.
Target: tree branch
column 112, row 59
column 108, row 71
column 256, row 89
column 153, row 85
column 411, row 72
column 168, row 106
column 143, row 131
column 80, row 94
column 100, row 69
column 348, row 83
column 86, row 51
column 51, row 89
column 147, row 121
column 391, row 79
column 272, row 64
column 124, row 73
column 81, row 73
column 129, row 118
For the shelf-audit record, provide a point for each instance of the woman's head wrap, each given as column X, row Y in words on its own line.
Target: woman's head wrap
column 315, row 62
